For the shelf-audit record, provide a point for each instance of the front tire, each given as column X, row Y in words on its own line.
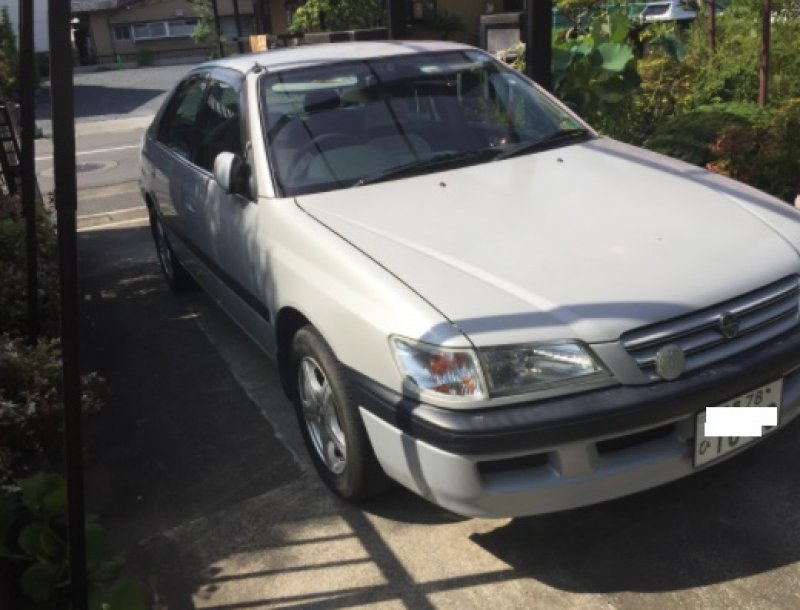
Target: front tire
column 332, row 428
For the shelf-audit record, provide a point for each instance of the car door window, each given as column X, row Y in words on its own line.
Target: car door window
column 178, row 128
column 219, row 125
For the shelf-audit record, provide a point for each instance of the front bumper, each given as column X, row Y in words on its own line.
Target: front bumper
column 558, row 454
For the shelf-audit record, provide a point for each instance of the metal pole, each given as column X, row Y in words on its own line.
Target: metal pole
column 216, row 25
column 62, row 105
column 26, row 162
column 539, row 41
column 238, row 18
column 266, row 16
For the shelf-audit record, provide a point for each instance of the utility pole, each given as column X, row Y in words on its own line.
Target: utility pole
column 238, row 19
column 215, row 9
column 397, row 19
column 712, row 26
column 763, row 70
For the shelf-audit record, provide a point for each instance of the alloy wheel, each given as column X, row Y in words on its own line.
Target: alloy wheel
column 321, row 415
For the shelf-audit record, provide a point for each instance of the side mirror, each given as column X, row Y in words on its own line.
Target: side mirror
column 232, row 173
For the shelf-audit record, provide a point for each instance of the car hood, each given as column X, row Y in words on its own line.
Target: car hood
column 585, row 241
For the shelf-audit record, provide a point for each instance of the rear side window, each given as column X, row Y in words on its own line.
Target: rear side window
column 178, row 129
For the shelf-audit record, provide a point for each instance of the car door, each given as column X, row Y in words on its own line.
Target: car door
column 175, row 176
column 237, row 255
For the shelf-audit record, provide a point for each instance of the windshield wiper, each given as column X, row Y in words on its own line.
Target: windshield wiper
column 420, row 166
column 557, row 138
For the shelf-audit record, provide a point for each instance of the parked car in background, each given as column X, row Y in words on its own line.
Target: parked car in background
column 464, row 287
column 671, row 10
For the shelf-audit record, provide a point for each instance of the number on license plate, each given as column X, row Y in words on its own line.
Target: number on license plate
column 709, row 448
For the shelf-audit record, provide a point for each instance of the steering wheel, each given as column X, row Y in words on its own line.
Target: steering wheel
column 319, row 143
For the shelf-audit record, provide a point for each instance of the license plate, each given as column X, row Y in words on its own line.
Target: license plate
column 708, row 449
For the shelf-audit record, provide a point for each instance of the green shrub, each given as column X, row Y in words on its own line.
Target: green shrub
column 691, row 136
column 732, row 73
column 33, row 539
column 9, row 59
column 13, row 281
column 339, row 15
column 31, row 408
column 764, row 154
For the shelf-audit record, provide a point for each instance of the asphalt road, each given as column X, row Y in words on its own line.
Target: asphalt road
column 115, row 93
column 112, row 110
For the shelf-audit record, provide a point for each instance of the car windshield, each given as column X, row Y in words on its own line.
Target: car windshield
column 352, row 123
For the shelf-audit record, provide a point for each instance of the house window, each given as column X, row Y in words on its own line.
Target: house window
column 181, row 28
column 122, row 32
column 146, row 31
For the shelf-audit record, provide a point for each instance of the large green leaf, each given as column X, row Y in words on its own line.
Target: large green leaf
column 562, row 59
column 618, row 26
column 30, row 539
column 51, row 545
column 98, row 549
column 38, row 581
column 615, row 56
column 37, row 487
column 55, row 501
column 121, row 595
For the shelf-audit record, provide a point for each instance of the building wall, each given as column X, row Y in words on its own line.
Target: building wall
column 40, row 40
column 100, row 33
column 102, row 25
column 278, row 14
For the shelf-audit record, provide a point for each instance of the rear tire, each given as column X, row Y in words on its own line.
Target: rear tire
column 174, row 272
column 332, row 428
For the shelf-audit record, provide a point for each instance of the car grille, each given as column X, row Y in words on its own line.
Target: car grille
column 762, row 315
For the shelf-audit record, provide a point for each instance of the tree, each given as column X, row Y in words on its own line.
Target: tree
column 578, row 12
column 206, row 28
column 334, row 15
column 9, row 58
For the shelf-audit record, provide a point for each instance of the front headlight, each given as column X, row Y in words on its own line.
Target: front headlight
column 442, row 371
column 529, row 368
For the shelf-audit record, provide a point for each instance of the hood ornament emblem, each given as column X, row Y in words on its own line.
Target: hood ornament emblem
column 728, row 325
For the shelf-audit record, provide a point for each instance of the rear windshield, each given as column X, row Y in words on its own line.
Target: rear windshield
column 337, row 125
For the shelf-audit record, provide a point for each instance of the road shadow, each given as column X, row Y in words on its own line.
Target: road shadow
column 96, row 100
column 178, row 437
column 733, row 521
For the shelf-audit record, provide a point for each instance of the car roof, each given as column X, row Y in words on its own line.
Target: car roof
column 315, row 54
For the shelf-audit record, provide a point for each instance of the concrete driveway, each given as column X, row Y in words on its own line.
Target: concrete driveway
column 197, row 467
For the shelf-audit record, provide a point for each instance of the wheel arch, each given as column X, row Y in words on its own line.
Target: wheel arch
column 287, row 322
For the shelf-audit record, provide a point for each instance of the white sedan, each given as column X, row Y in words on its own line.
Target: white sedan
column 465, row 288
